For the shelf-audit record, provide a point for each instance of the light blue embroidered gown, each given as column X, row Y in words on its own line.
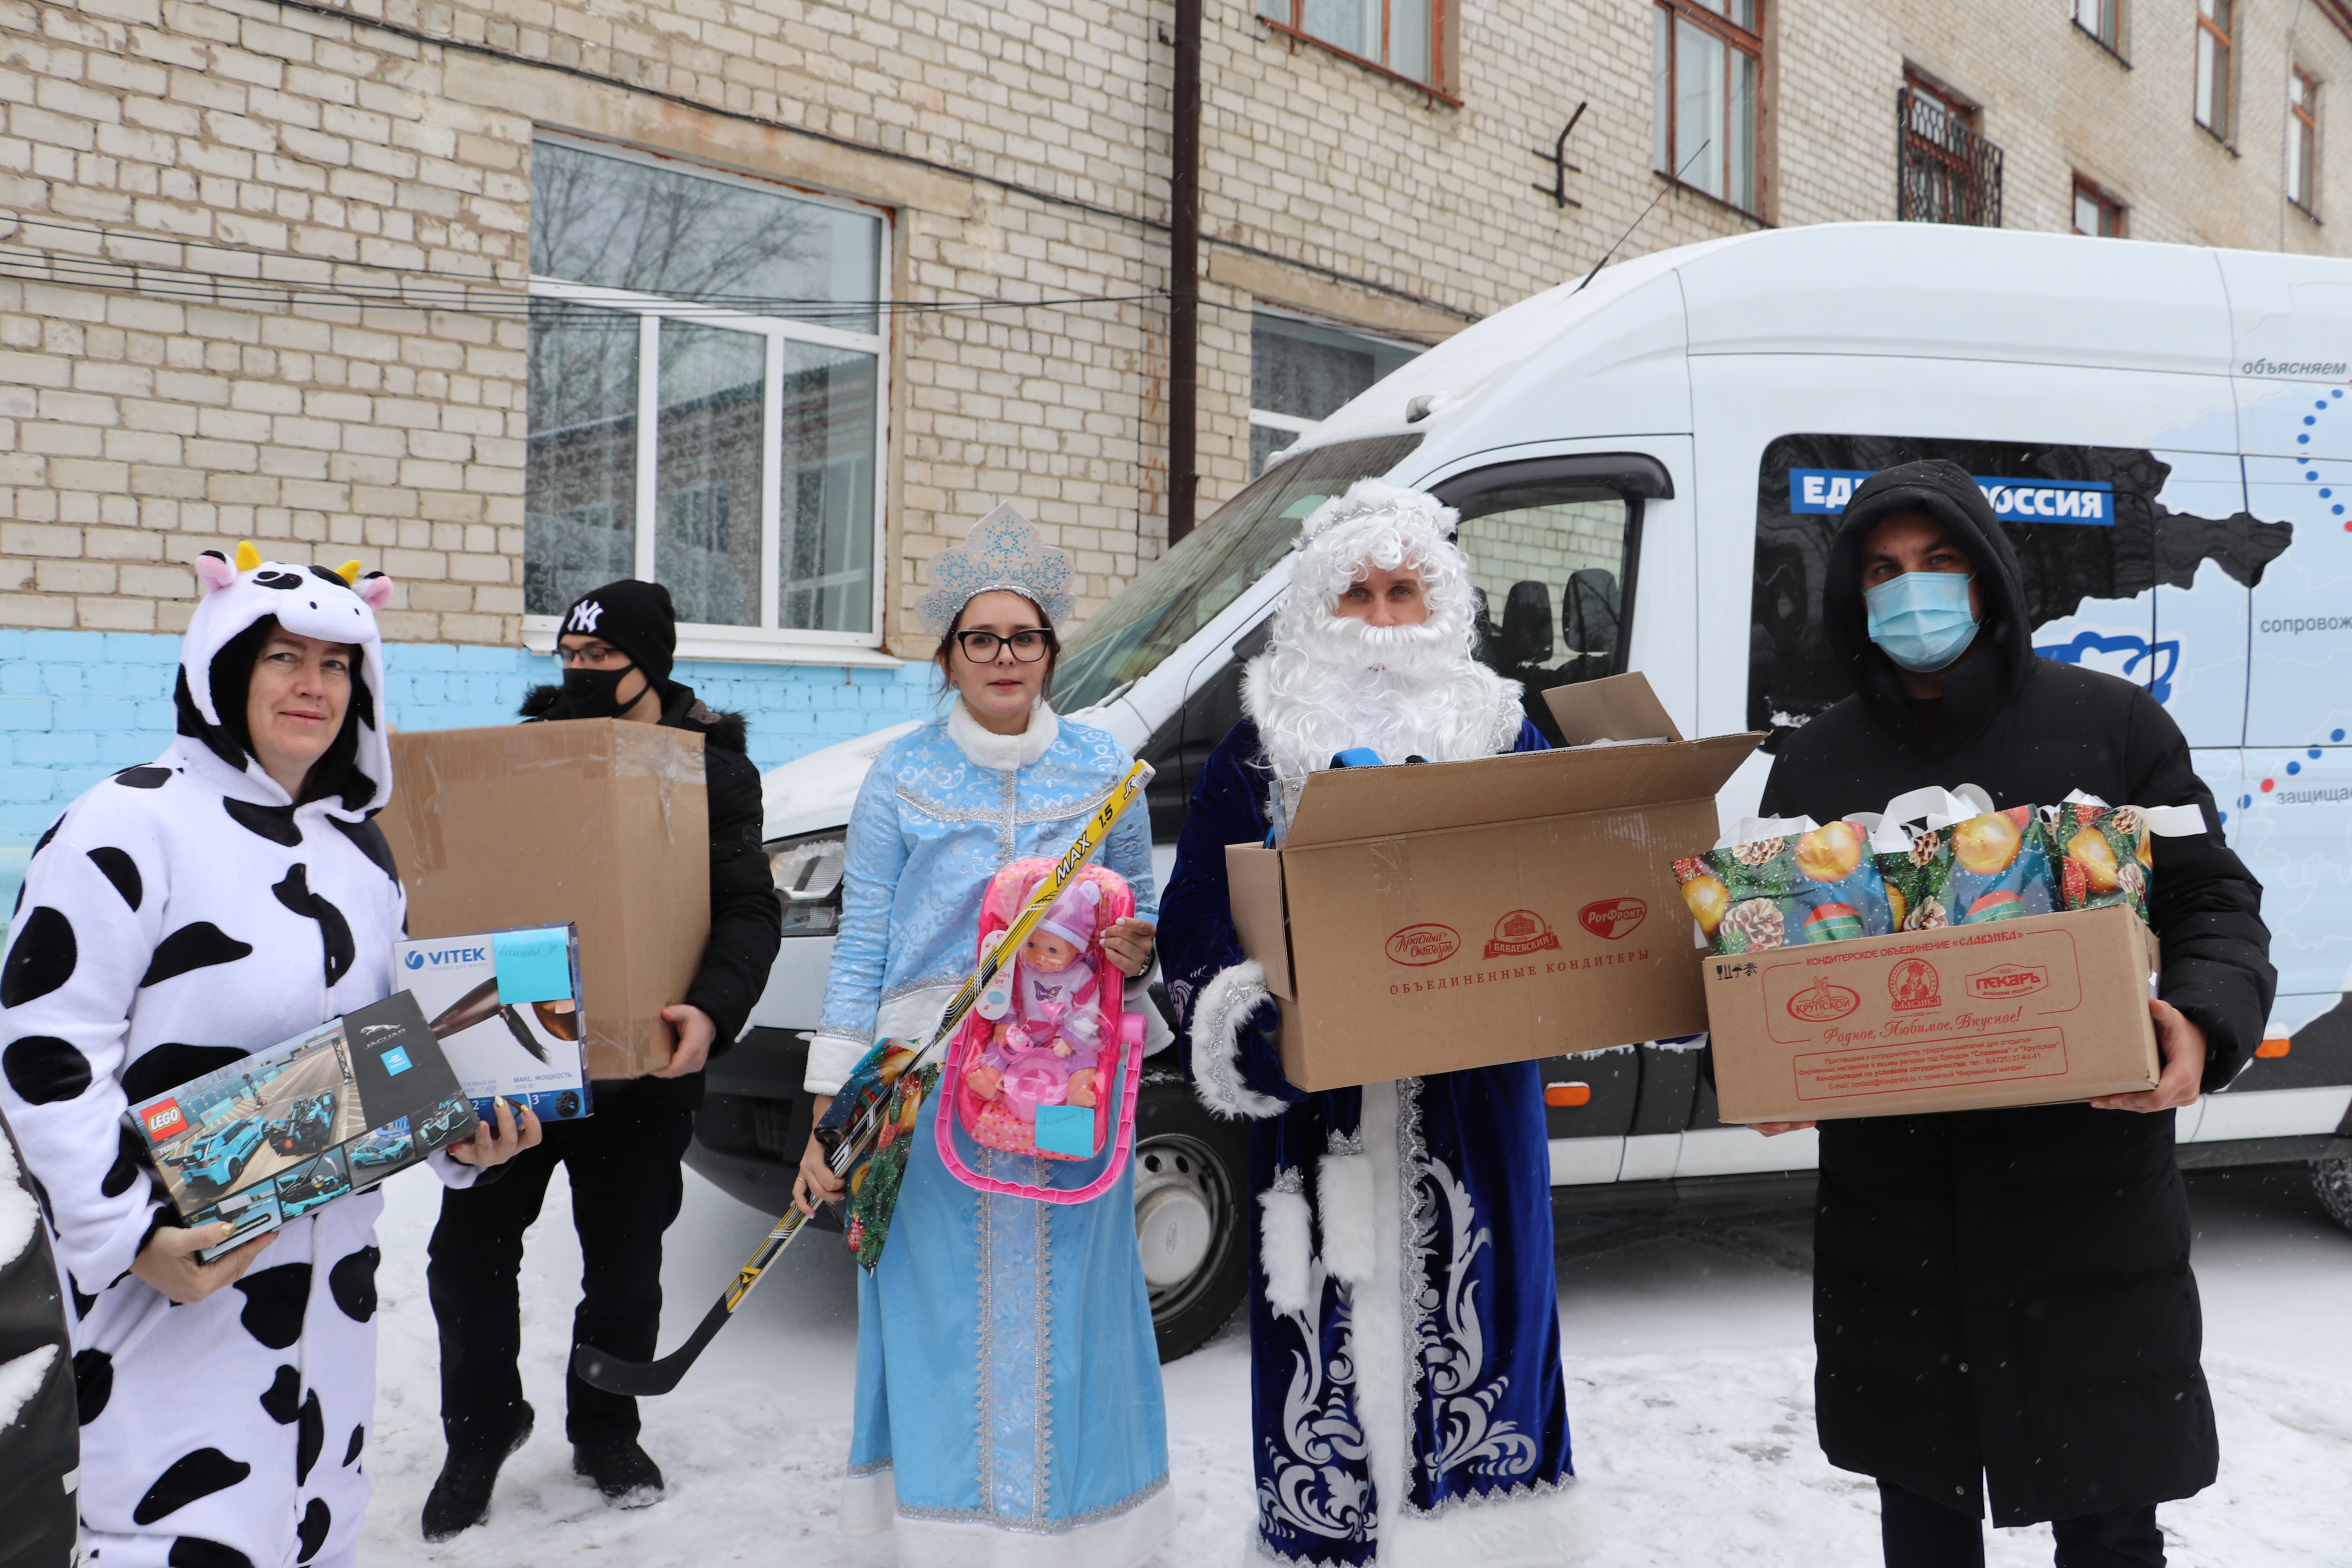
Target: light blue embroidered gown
column 1008, row 1406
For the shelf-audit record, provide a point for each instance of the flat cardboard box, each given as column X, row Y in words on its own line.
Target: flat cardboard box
column 2037, row 1011
column 598, row 822
column 1428, row 918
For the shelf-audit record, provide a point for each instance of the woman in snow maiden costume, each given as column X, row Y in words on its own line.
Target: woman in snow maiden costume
column 1406, row 1404
column 1008, row 1385
column 226, row 896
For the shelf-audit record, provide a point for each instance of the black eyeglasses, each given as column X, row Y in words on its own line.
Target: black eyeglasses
column 1028, row 646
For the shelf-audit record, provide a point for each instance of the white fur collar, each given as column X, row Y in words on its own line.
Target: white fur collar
column 1002, row 753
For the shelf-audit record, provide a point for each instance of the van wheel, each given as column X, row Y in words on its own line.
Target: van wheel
column 2332, row 1179
column 1191, row 1178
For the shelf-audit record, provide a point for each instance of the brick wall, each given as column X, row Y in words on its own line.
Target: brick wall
column 252, row 160
column 76, row 706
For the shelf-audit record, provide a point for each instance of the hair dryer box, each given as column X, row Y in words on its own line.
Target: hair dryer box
column 2033, row 1011
column 597, row 822
column 1428, row 918
column 505, row 1005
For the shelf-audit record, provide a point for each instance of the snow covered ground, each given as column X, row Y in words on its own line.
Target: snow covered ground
column 1689, row 1364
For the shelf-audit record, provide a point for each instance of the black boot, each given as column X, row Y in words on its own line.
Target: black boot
column 460, row 1498
column 621, row 1471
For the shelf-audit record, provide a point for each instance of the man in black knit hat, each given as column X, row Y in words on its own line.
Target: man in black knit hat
column 615, row 647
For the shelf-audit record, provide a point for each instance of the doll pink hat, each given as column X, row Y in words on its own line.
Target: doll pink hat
column 1074, row 916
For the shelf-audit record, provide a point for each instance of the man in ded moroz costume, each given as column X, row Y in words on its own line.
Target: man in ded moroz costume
column 1407, row 1404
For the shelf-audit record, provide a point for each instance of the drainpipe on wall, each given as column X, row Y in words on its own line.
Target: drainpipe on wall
column 1184, row 275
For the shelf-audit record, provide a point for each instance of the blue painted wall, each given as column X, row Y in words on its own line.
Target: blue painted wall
column 77, row 706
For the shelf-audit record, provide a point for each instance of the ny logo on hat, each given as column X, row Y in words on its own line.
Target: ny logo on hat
column 584, row 616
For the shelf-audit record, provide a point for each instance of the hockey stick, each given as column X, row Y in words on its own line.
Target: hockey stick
column 643, row 1379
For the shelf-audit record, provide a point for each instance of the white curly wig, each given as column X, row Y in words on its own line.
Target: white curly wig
column 1328, row 682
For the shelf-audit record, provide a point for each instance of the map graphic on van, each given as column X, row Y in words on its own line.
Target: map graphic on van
column 2091, row 591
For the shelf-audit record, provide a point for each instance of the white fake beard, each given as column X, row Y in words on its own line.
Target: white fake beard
column 1337, row 682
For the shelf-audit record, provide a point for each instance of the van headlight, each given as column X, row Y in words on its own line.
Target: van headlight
column 807, row 872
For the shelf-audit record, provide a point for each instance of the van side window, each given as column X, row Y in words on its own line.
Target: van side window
column 1550, row 570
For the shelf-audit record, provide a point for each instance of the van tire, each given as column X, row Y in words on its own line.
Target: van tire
column 2332, row 1180
column 1192, row 1182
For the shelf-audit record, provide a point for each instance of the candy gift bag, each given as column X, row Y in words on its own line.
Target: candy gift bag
column 2106, row 853
column 1039, row 1085
column 1967, row 864
column 1788, row 881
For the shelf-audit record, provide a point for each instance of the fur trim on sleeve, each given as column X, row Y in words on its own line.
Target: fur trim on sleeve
column 1285, row 1247
column 1218, row 1019
column 1343, row 1196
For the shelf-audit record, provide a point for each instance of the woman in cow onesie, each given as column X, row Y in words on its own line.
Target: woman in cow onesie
column 227, row 896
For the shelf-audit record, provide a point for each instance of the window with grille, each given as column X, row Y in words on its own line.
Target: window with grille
column 1944, row 172
column 707, row 385
column 2303, row 139
column 1400, row 37
column 2103, row 20
column 2217, row 22
column 2095, row 212
column 1707, row 69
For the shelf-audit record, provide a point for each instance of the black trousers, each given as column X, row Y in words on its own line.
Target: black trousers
column 622, row 1161
column 1920, row 1533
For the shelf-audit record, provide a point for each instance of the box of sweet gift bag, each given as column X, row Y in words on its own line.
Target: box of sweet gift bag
column 1985, row 959
column 1429, row 918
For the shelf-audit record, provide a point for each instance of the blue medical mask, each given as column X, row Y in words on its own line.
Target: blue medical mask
column 1921, row 619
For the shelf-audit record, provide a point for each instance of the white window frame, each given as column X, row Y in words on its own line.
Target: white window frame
column 1296, row 425
column 767, row 643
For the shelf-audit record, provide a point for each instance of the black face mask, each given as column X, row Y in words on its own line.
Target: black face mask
column 595, row 693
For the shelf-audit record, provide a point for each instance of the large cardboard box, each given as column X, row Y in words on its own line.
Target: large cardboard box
column 594, row 821
column 2022, row 1011
column 1428, row 918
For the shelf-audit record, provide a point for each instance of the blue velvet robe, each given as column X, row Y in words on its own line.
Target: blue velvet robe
column 1483, row 1402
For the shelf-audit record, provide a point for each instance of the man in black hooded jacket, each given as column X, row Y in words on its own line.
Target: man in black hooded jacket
column 2002, row 1300
column 616, row 647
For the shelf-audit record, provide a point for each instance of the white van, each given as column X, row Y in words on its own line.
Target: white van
column 1648, row 471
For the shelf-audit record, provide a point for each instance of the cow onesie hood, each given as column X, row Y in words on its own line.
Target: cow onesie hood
column 179, row 915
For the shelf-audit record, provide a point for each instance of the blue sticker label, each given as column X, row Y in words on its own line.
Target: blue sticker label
column 395, row 1060
column 533, row 966
column 1066, row 1130
column 2081, row 501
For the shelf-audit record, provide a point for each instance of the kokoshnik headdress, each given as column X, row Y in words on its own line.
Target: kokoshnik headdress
column 1004, row 552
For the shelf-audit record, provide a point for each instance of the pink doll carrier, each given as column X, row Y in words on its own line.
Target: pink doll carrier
column 1006, row 1124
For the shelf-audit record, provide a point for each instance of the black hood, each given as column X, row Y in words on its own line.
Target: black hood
column 2003, row 660
column 681, row 709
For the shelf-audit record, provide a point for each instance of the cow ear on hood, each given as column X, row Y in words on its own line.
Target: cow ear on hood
column 376, row 588
column 214, row 571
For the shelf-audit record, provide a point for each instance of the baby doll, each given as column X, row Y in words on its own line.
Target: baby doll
column 1044, row 1051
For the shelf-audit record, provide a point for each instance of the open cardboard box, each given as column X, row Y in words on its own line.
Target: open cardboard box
column 1429, row 918
column 2035, row 1011
column 592, row 821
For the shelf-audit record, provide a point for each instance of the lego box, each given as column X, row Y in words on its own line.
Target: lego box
column 505, row 1007
column 291, row 1129
column 2031, row 1011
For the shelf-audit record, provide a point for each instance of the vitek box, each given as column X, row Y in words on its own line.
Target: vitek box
column 592, row 821
column 2036, row 1011
column 311, row 1119
column 1428, row 918
column 505, row 1007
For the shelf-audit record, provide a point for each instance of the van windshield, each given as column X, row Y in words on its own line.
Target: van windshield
column 1188, row 587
